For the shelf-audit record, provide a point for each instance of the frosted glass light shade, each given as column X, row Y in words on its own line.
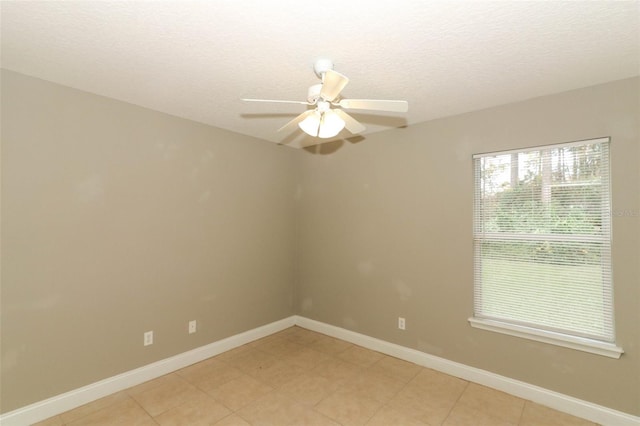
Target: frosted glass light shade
column 322, row 124
column 330, row 125
column 311, row 124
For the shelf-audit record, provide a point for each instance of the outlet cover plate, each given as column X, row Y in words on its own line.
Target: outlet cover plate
column 148, row 338
column 401, row 323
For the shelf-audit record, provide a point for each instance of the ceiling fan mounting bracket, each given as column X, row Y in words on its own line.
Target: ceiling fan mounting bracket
column 321, row 66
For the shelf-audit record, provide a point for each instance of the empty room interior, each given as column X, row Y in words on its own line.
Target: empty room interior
column 340, row 213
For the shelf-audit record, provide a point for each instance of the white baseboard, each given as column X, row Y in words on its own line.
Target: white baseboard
column 59, row 404
column 567, row 404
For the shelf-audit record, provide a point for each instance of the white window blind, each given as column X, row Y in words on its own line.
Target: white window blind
column 542, row 240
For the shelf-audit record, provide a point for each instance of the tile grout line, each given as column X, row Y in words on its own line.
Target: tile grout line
column 522, row 412
column 386, row 403
column 143, row 409
column 457, row 401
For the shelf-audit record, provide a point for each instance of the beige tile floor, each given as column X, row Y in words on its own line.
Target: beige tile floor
column 299, row 377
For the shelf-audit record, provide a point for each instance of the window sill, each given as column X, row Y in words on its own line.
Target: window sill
column 582, row 344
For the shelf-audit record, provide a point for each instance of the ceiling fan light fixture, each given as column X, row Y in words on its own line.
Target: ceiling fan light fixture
column 326, row 122
column 322, row 123
column 311, row 124
column 330, row 125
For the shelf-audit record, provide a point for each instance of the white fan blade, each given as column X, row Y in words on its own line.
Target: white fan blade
column 350, row 123
column 375, row 105
column 276, row 101
column 294, row 123
column 332, row 84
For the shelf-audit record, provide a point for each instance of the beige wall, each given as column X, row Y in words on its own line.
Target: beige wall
column 386, row 231
column 117, row 220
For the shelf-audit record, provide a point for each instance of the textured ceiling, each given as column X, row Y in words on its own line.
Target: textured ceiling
column 197, row 59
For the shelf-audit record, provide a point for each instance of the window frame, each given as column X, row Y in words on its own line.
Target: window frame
column 595, row 346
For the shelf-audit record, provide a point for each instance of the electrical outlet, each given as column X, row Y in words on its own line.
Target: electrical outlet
column 401, row 324
column 148, row 338
column 192, row 327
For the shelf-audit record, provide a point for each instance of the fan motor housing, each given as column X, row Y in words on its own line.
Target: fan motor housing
column 313, row 94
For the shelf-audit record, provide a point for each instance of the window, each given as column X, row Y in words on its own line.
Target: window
column 542, row 243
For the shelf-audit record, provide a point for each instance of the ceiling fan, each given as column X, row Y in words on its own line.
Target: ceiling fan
column 327, row 118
